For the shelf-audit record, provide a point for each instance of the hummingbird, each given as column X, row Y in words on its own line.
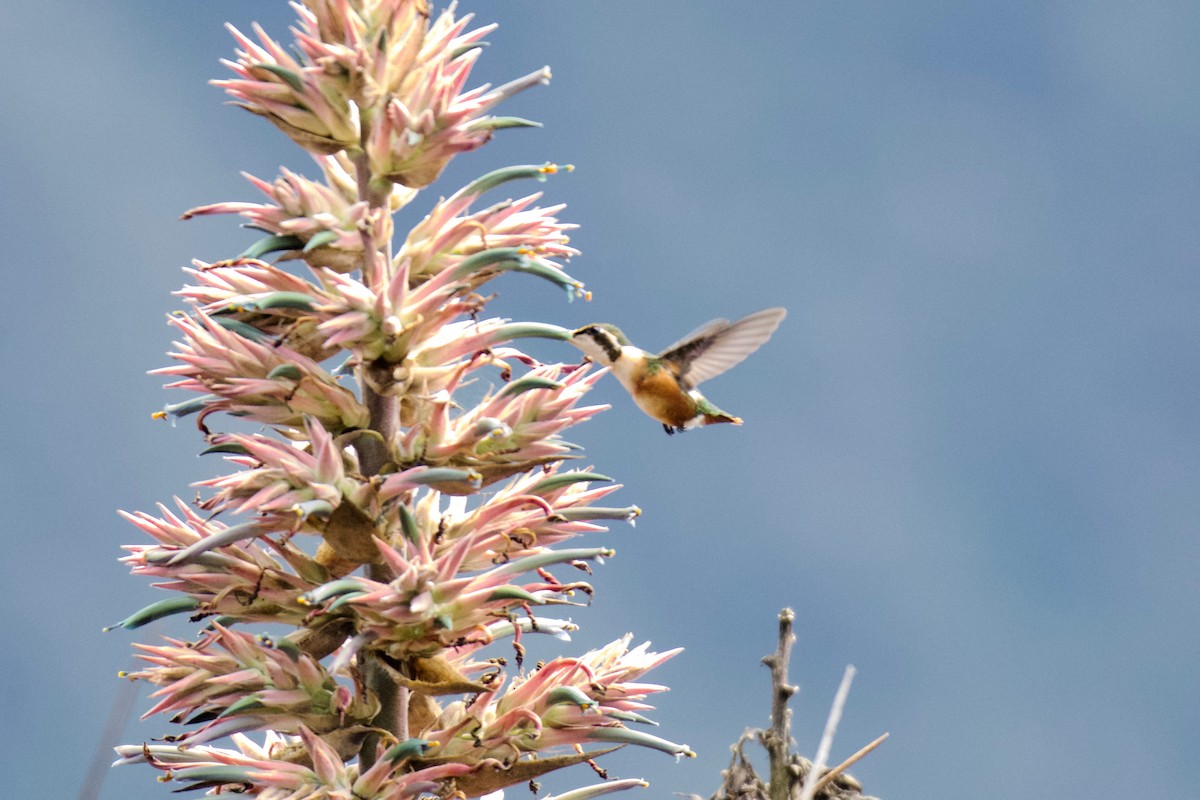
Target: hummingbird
column 664, row 385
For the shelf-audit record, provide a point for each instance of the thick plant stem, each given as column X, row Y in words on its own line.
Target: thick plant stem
column 373, row 455
column 778, row 739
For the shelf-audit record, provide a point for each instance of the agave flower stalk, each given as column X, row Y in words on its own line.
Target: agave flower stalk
column 405, row 537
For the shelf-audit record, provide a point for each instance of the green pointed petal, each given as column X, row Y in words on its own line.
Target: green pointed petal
column 312, row 508
column 516, row 593
column 248, row 703
column 233, row 448
column 189, row 406
column 630, row 716
column 243, row 329
column 466, row 48
column 408, row 749
column 629, row 513
column 272, row 244
column 286, row 371
column 296, row 300
column 596, row 790
column 343, row 600
column 506, row 174
column 218, row 561
column 498, row 123
column 332, row 589
column 627, row 736
column 566, row 479
column 408, row 524
column 504, row 257
column 444, row 475
column 552, row 557
column 231, row 535
column 217, row 774
column 283, row 645
column 554, row 275
column 569, row 694
column 529, row 330
column 320, row 240
column 528, row 383
column 291, row 78
column 163, row 608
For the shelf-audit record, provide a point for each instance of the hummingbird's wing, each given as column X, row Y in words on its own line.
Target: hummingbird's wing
column 718, row 345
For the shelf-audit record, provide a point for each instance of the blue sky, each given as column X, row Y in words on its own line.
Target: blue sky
column 970, row 455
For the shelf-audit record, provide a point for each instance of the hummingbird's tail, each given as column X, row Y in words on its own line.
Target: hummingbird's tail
column 710, row 414
column 720, row 416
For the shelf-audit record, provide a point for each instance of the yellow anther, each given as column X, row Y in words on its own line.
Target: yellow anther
column 159, row 415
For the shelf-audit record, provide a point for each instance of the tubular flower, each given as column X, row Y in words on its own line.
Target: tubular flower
column 429, row 118
column 568, row 701
column 510, row 431
column 268, row 383
column 298, row 97
column 527, row 516
column 279, row 477
column 233, row 681
column 257, row 771
column 429, row 606
column 449, row 233
column 277, row 304
column 321, row 223
column 418, row 331
column 242, row 582
column 372, row 44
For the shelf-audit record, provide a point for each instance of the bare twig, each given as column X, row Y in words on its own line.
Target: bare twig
column 792, row 777
column 778, row 739
column 828, row 777
column 835, row 716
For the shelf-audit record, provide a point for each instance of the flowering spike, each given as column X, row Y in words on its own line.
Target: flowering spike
column 443, row 517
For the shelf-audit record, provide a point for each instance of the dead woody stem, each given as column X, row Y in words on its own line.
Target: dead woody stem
column 787, row 770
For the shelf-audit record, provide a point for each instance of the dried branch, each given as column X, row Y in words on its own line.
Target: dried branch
column 788, row 771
